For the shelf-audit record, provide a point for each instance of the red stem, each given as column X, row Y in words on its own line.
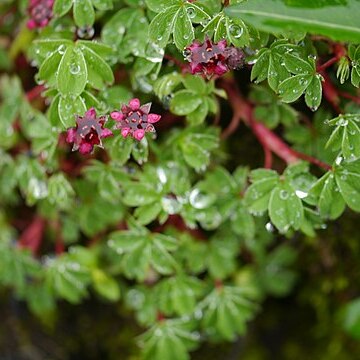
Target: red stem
column 355, row 99
column 331, row 93
column 35, row 92
column 324, row 66
column 184, row 67
column 32, row 236
column 269, row 140
column 218, row 284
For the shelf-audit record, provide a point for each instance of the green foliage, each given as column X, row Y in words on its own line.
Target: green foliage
column 339, row 23
column 185, row 231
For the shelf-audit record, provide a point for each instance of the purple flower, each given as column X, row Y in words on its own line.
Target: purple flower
column 135, row 120
column 212, row 59
column 88, row 132
column 40, row 12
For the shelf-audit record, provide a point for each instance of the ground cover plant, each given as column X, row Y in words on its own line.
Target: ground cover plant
column 178, row 161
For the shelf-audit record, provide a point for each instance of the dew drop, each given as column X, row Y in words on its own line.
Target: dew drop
column 338, row 160
column 236, row 31
column 191, row 12
column 74, row 69
column 284, row 194
column 269, row 227
column 86, row 32
column 200, row 200
column 301, row 194
column 61, row 49
column 342, row 122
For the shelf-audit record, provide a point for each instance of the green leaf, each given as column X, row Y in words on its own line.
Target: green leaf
column 147, row 213
column 61, row 7
column 237, row 32
column 105, row 285
column 159, row 5
column 339, row 22
column 162, row 26
column 140, row 151
column 226, row 311
column 103, row 4
column 296, row 64
column 183, row 30
column 195, row 84
column 198, row 116
column 67, row 278
column 169, row 339
column 142, row 250
column 84, row 14
column 285, row 208
column 258, row 194
column 72, row 72
column 345, row 136
column 242, row 223
column 69, row 107
column 99, row 72
column 331, row 204
column 114, row 30
column 260, row 69
column 184, row 102
column 292, row 88
column 120, row 149
column 350, row 316
column 347, row 178
column 49, row 67
column 61, row 192
column 140, row 194
column 313, row 93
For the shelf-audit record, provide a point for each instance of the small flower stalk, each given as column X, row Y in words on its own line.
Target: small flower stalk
column 88, row 132
column 213, row 59
column 135, row 120
column 40, row 13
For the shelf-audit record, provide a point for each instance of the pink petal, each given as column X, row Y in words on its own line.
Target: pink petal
column 106, row 133
column 31, row 24
column 150, row 128
column 220, row 69
column 222, row 44
column 139, row 134
column 44, row 22
column 117, row 115
column 145, row 108
column 85, row 148
column 125, row 132
column 195, row 45
column 125, row 109
column 196, row 68
column 91, row 113
column 153, row 118
column 102, row 119
column 71, row 135
column 134, row 104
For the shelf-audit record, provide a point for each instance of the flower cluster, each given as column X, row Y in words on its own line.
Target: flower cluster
column 40, row 12
column 133, row 120
column 211, row 59
column 88, row 132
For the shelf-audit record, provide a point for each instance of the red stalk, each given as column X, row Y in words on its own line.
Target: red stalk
column 270, row 141
column 32, row 236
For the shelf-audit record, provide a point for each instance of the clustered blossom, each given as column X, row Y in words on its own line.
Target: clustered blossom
column 40, row 12
column 135, row 120
column 88, row 132
column 212, row 59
